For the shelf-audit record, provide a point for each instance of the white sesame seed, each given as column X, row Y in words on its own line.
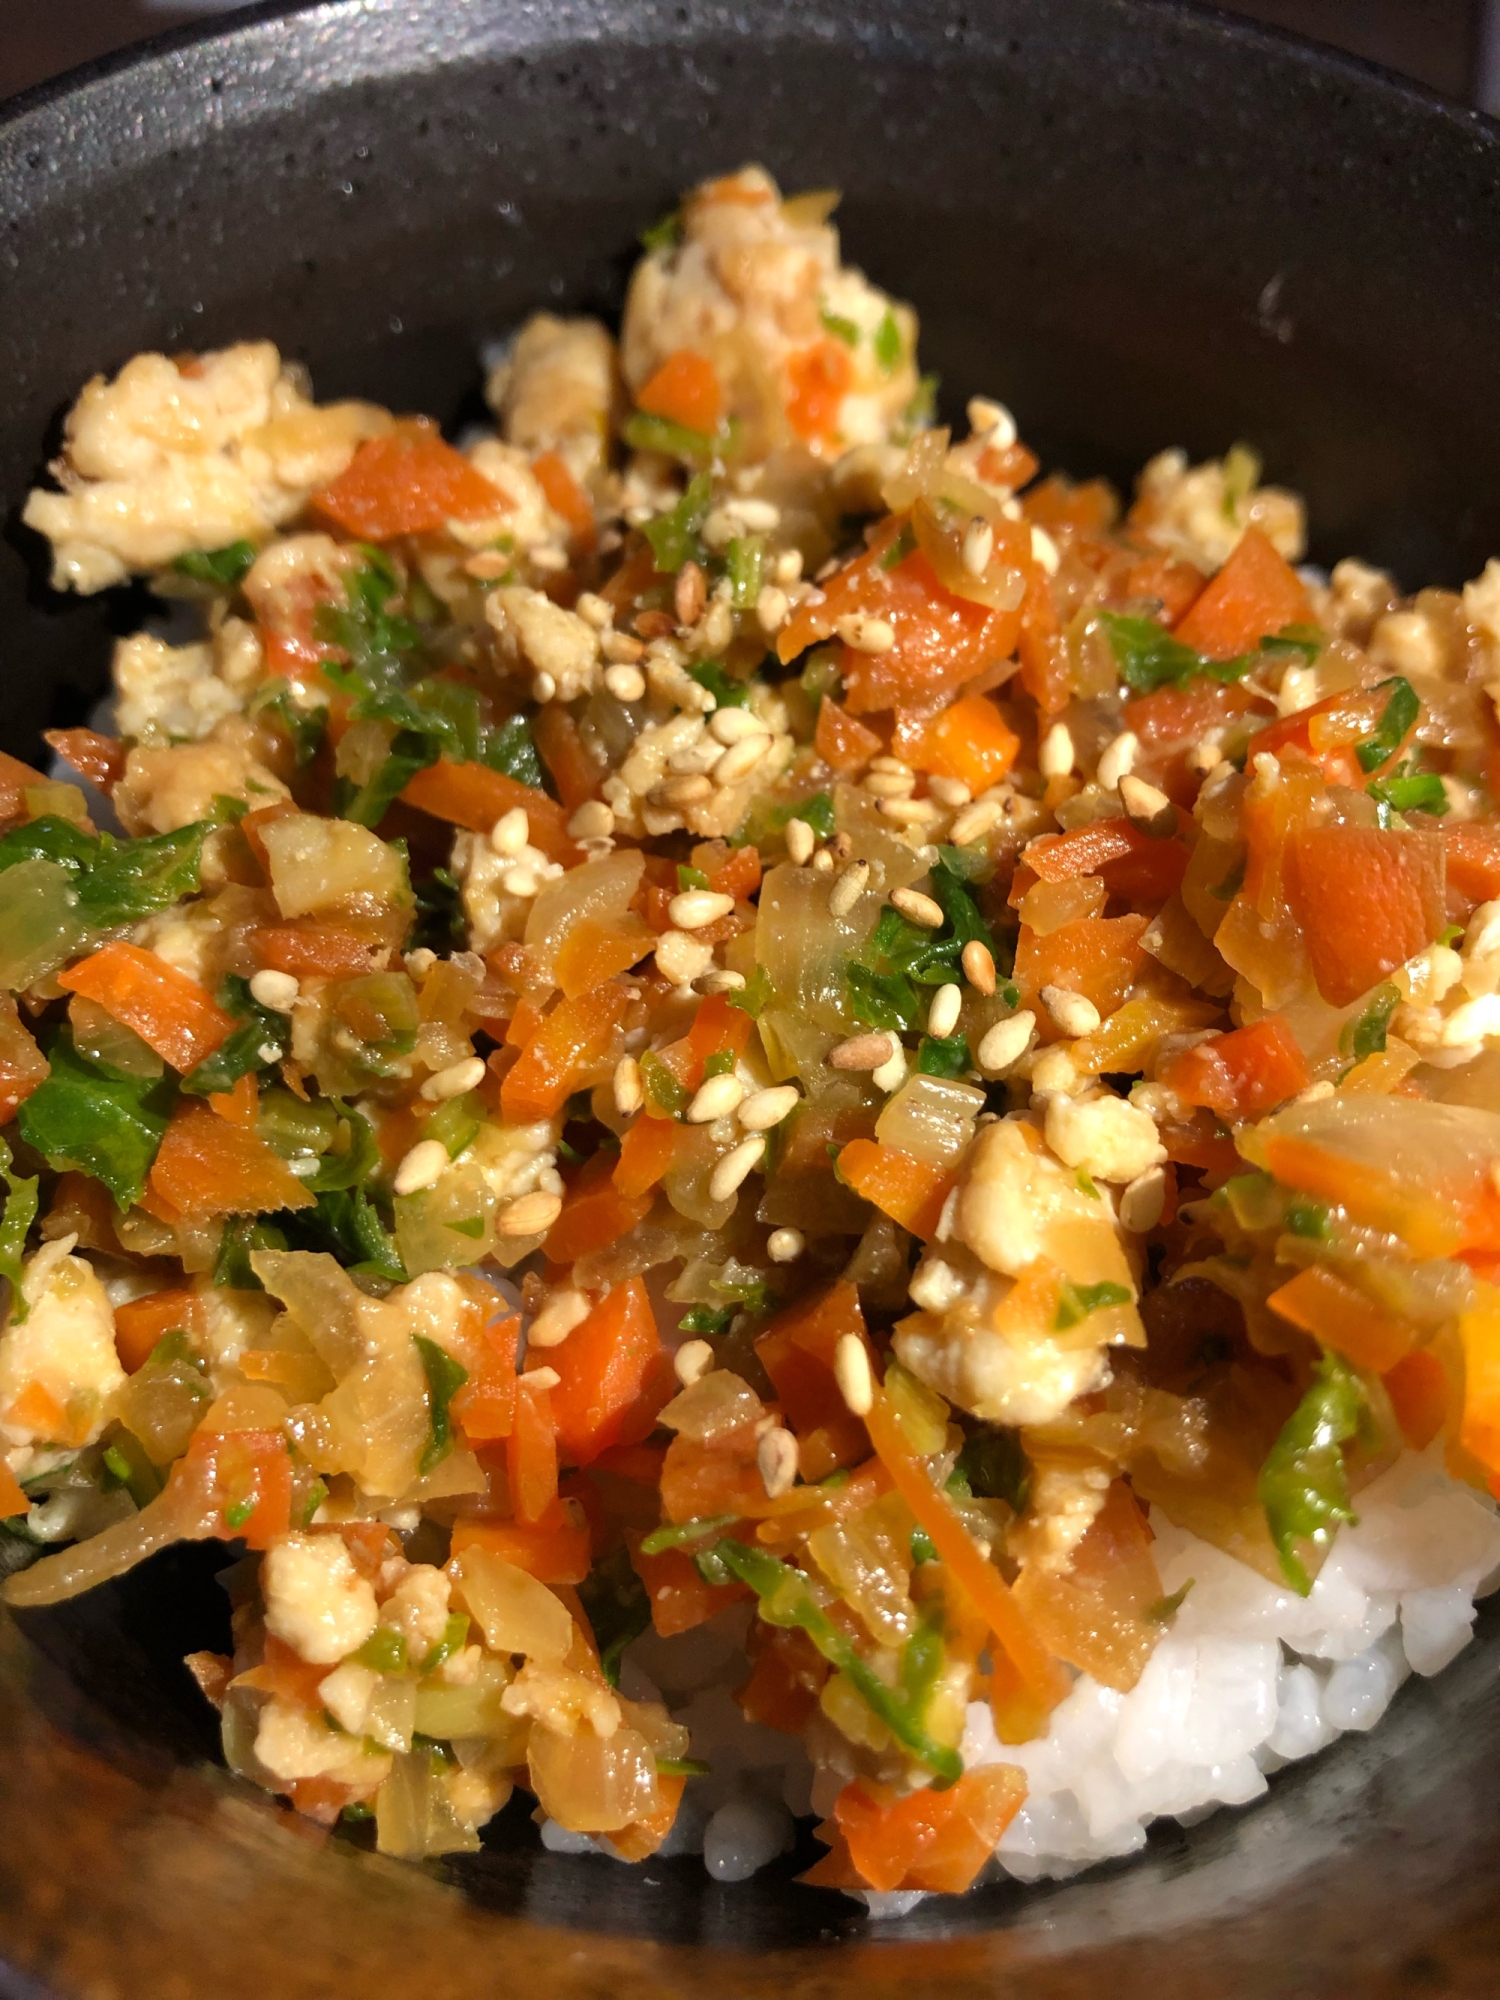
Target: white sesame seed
column 759, row 516
column 785, row 1246
column 864, row 634
column 629, row 1091
column 543, row 688
column 740, row 759
column 276, row 990
column 1044, row 551
column 692, row 1361
column 764, row 1108
column 689, row 594
column 715, row 630
column 920, row 909
column 1141, row 1203
column 974, row 823
column 822, row 862
column 787, row 567
column 593, row 820
column 993, row 421
column 420, row 962
column 864, row 1051
column 1056, row 755
column 730, row 725
column 800, row 841
column 511, row 832
column 890, row 784
column 719, row 979
column 735, row 1166
column 771, row 608
column 1147, row 808
column 848, row 889
column 979, row 546
column 852, row 1372
column 694, row 909
column 1073, row 1012
column 623, row 648
column 548, row 556
column 891, row 1074
column 1117, row 758
column 1006, row 1042
column 565, row 1309
column 625, row 683
column 897, row 765
column 776, row 1456
column 979, row 966
column 909, row 812
column 594, row 610
column 422, row 1167
column 715, row 1099
column 681, row 958
column 542, row 1378
column 533, row 1215
column 950, row 792
column 942, row 1015
column 686, row 790
column 455, row 1080
column 520, row 881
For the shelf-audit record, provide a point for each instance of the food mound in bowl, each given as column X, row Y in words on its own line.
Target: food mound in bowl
column 773, row 1118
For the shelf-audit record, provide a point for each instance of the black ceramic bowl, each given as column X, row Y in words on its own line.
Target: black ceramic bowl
column 1139, row 224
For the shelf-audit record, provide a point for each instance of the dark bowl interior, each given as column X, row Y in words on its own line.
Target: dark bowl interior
column 1139, row 224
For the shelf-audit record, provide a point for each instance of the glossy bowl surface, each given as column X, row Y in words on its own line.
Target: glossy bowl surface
column 1140, row 225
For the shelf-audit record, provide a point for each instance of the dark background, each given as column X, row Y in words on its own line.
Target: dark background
column 1453, row 45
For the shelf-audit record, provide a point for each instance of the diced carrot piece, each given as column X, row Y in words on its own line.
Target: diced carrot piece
column 1097, row 957
column 575, row 771
column 409, row 482
column 100, row 759
column 569, row 1050
column 485, row 1407
column 205, row 1166
column 1243, row 1074
column 283, row 1673
column 680, row 1599
column 731, row 871
column 169, row 1011
column 1087, row 508
column 722, row 1477
column 641, row 1464
column 567, row 499
column 841, row 740
column 531, row 1453
column 37, row 1409
column 685, row 390
column 971, row 741
column 22, row 1064
column 927, row 1839
column 1187, row 713
column 474, row 796
column 594, row 1213
column 1472, row 849
column 1096, row 1613
column 1367, row 900
column 312, row 953
column 785, row 1680
column 718, row 1029
column 247, row 1477
column 646, row 1151
column 1175, row 585
column 641, row 1839
column 1420, row 1396
column 1130, row 863
column 942, row 641
column 1253, row 596
column 818, row 379
column 1046, row 668
column 910, row 1191
column 615, row 1376
column 593, row 952
column 13, row 1500
column 16, row 780
column 554, row 1549
column 796, row 1350
column 240, row 1105
column 1339, row 1314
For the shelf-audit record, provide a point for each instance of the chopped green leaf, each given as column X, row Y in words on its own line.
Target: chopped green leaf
column 903, row 546
column 384, row 1652
column 922, row 1548
column 920, row 411
column 889, row 346
column 744, row 564
column 1149, row 657
column 1304, row 1484
column 18, row 1215
column 445, row 1377
column 87, row 1115
column 706, row 1319
column 683, row 1767
column 1241, row 477
column 663, row 234
column 242, row 1235
column 346, row 1223
column 353, row 1156
column 726, row 692
column 755, row 995
column 1396, row 722
column 1229, row 888
column 841, row 329
column 1365, row 1034
column 994, row 1466
column 676, row 1534
column 305, row 727
column 245, row 1050
column 719, row 1063
column 1307, row 1218
column 881, row 999
column 1165, row 1609
column 618, row 1609
column 1076, row 1302
column 455, row 1637
column 511, row 748
column 662, row 1086
column 224, row 568
column 690, row 878
column 644, row 432
column 674, row 536
column 945, row 1055
column 1413, row 791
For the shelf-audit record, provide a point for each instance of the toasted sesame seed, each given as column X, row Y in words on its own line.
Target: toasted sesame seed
column 785, row 1246
column 1006, row 1042
column 1142, row 1202
column 594, row 820
column 776, row 1456
column 1117, row 758
column 276, row 990
column 566, row 1308
column 1148, row 809
column 420, row 962
column 921, row 909
column 719, row 979
column 692, row 1361
column 694, row 909
column 759, row 516
column 864, row 634
column 715, row 631
column 533, row 1215
column 942, row 1015
column 897, row 765
column 629, row 1091
column 909, row 812
column 690, row 594
column 993, row 421
column 715, row 1099
column 979, row 546
column 731, row 725
column 625, row 683
column 800, row 841
column 686, row 790
column 543, row 688
column 1056, row 755
column 542, row 1378
column 787, row 567
column 1044, row 551
column 975, row 822
column 864, row 1051
column 595, row 610
column 740, row 759
column 548, row 556
column 848, row 889
column 890, row 784
column 520, row 881
column 511, row 832
column 1073, row 1012
column 682, row 958
column 979, row 966
column 623, row 648
column 735, row 1166
column 422, row 1167
column 950, row 792
column 891, row 1074
column 852, row 1372
column 764, row 1108
column 771, row 608
column 822, row 862
column 455, row 1080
